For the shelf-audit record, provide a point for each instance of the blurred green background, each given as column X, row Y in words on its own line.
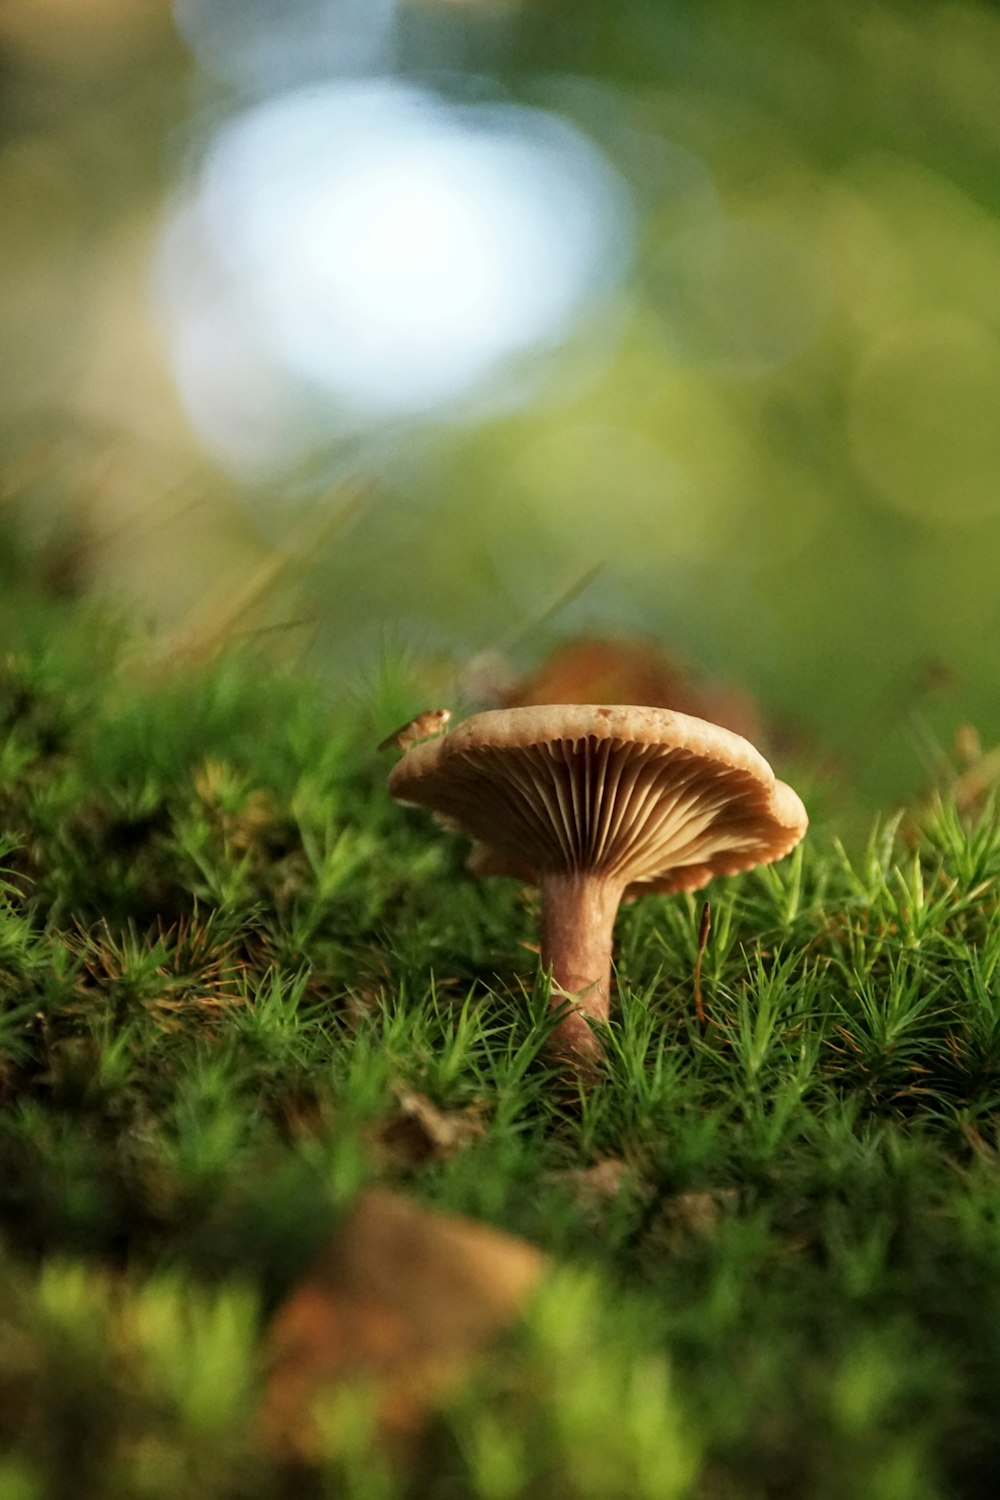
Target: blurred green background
column 702, row 346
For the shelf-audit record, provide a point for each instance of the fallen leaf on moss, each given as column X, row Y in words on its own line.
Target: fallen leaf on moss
column 400, row 1302
column 593, row 670
column 596, row 1189
column 595, row 1186
column 418, row 1132
column 690, row 1216
column 979, row 774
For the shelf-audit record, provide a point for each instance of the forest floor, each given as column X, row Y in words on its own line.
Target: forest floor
column 240, row 988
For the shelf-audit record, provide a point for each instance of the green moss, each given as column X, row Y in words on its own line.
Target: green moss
column 224, row 951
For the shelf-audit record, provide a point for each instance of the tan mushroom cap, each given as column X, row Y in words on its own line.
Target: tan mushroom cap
column 651, row 799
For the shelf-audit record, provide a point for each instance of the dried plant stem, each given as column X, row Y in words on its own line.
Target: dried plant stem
column 703, row 930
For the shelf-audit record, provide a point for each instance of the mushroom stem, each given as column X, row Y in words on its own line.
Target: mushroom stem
column 578, row 918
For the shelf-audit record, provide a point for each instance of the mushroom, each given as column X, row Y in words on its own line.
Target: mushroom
column 594, row 804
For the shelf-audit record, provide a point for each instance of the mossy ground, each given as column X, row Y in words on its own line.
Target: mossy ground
column 223, row 953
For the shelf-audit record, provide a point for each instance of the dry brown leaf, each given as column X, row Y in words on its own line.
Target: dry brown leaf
column 418, row 1132
column 977, row 780
column 401, row 1300
column 593, row 670
column 694, row 1215
column 968, row 745
column 596, row 1186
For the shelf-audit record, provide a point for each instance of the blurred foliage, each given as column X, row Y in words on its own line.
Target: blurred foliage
column 779, row 441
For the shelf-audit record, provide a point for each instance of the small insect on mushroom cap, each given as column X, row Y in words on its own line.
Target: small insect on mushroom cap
column 431, row 722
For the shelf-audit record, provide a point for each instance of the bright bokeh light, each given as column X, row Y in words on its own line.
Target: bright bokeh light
column 381, row 255
column 263, row 46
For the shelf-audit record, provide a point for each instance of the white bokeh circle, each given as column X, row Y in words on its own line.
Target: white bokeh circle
column 383, row 254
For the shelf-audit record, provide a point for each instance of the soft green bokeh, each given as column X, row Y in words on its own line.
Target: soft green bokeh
column 779, row 439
